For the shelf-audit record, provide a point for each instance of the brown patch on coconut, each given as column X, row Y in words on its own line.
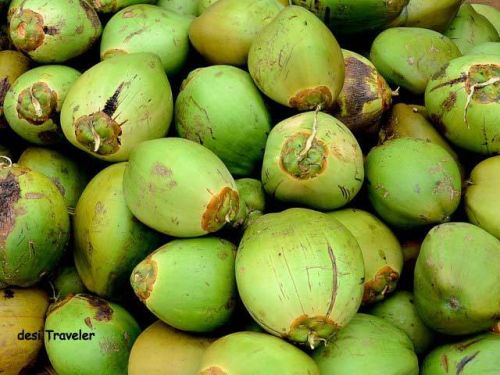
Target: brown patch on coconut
column 222, row 208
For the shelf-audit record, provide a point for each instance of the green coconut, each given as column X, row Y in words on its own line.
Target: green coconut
column 224, row 32
column 412, row 182
column 456, row 279
column 185, row 7
column 108, row 117
column 34, row 226
column 382, row 255
column 221, row 108
column 481, row 196
column 12, row 65
column 462, row 101
column 183, row 199
column 53, row 31
column 33, row 103
column 487, row 48
column 21, row 311
column 490, row 12
column 474, row 356
column 112, row 6
column 365, row 95
column 312, row 159
column 435, row 15
column 160, row 344
column 410, row 121
column 189, row 283
column 400, row 311
column 354, row 17
column 93, row 336
column 69, row 177
column 307, row 76
column 300, row 275
column 252, row 201
column 409, row 56
column 108, row 240
column 166, row 35
column 469, row 28
column 254, row 353
column 369, row 345
column 68, row 282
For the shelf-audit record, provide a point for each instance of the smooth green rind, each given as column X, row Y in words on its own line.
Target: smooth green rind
column 252, row 193
column 185, row 7
column 254, row 353
column 220, row 108
column 108, row 240
column 469, row 28
column 165, row 35
column 312, row 159
column 300, row 275
column 160, row 344
column 33, row 103
column 189, row 283
column 107, row 352
column 112, row 6
column 435, row 15
column 412, row 182
column 491, row 13
column 34, row 226
column 310, row 74
column 224, row 32
column 481, row 196
column 69, row 177
column 400, row 311
column 68, row 282
column 456, row 279
column 370, row 346
column 474, row 356
column 409, row 56
column 462, row 101
column 354, row 17
column 135, row 98
column 53, row 31
column 382, row 254
column 487, row 48
column 184, row 199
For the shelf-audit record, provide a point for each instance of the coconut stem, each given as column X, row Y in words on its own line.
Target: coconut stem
column 5, row 161
column 310, row 140
column 491, row 81
column 396, row 92
column 97, row 139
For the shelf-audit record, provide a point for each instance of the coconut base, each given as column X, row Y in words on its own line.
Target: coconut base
column 312, row 330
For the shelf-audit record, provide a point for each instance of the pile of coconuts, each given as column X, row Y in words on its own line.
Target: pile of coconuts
column 249, row 187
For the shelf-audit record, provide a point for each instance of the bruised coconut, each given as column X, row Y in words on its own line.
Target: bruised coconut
column 365, row 95
column 189, row 283
column 481, row 203
column 21, row 310
column 476, row 355
column 108, row 240
column 34, row 226
column 106, row 330
column 412, row 182
column 166, row 35
column 456, row 279
column 462, row 101
column 160, row 343
column 54, row 31
column 312, row 159
column 382, row 255
column 250, row 353
column 107, row 117
column 280, row 71
column 178, row 195
column 300, row 275
column 33, row 103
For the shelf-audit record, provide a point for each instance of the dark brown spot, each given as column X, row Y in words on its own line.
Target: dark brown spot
column 4, row 87
column 383, row 282
column 104, row 312
column 464, row 345
column 88, row 322
column 91, row 14
column 444, row 362
column 9, row 195
column 450, row 101
column 451, row 82
column 112, row 103
column 50, row 30
column 8, row 293
column 464, row 361
column 441, row 72
column 222, row 208
column 311, row 98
